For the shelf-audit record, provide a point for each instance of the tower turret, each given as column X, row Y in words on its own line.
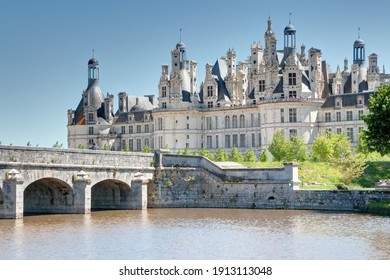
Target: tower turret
column 359, row 51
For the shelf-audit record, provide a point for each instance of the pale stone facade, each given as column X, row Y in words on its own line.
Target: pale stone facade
column 238, row 104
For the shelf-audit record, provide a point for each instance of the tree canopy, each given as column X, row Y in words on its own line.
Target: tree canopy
column 377, row 134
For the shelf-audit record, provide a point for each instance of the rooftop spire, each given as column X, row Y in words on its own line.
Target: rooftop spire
column 289, row 18
column 359, row 32
column 180, row 35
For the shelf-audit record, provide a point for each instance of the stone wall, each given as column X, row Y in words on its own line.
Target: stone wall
column 74, row 157
column 194, row 188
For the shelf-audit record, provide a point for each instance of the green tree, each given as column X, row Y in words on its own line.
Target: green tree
column 126, row 149
column 279, row 146
column 28, row 144
column 106, row 147
column 206, row 153
column 80, row 147
column 186, row 151
column 377, row 134
column 236, row 155
column 297, row 150
column 250, row 155
column 221, row 155
column 146, row 149
column 330, row 145
column 351, row 167
column 264, row 157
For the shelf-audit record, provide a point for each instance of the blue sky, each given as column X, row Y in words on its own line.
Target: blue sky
column 45, row 46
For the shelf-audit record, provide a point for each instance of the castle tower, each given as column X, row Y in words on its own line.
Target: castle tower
column 92, row 96
column 359, row 51
column 373, row 77
column 316, row 77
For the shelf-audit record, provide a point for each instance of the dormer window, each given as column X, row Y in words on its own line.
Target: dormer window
column 360, row 101
column 209, row 91
column 338, row 102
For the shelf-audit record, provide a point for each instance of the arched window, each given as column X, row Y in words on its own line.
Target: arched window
column 242, row 121
column 227, row 122
column 235, row 122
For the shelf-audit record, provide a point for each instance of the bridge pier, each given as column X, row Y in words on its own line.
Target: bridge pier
column 140, row 192
column 13, row 196
column 82, row 193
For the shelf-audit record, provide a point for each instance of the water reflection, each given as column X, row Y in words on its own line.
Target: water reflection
column 197, row 234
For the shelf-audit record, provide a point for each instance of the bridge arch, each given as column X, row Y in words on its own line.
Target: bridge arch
column 111, row 194
column 48, row 196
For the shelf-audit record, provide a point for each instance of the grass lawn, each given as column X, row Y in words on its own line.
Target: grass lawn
column 325, row 175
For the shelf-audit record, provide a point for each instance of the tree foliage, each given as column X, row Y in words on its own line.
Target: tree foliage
column 330, row 145
column 146, row 149
column 264, row 157
column 377, row 135
column 279, row 146
column 296, row 150
column 236, row 155
column 287, row 150
column 250, row 155
column 351, row 167
column 221, row 155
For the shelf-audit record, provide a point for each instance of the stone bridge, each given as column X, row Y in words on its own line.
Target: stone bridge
column 41, row 181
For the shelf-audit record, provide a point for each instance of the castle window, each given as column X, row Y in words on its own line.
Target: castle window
column 138, row 128
column 131, row 129
column 209, row 142
column 292, row 94
column 261, row 85
column 338, row 130
column 242, row 121
column 146, row 128
column 210, row 104
column 164, row 105
column 292, row 79
column 242, row 140
column 208, row 123
column 159, row 125
column 216, row 123
column 138, row 144
column 146, row 142
column 227, row 141
column 252, row 120
column 328, row 117
column 123, row 129
column 338, row 116
column 338, row 88
column 164, row 91
column 235, row 140
column 235, row 121
column 360, row 114
column 349, row 115
column 90, row 130
column 227, row 122
column 292, row 114
column 350, row 133
column 293, row 133
column 216, row 141
column 209, row 91
column 91, row 117
column 253, row 140
column 282, row 115
column 131, row 144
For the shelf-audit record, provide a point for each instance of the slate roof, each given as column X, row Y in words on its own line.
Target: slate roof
column 348, row 100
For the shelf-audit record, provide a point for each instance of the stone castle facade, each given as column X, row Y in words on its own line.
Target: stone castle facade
column 238, row 104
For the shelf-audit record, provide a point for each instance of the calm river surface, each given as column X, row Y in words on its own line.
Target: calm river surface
column 197, row 234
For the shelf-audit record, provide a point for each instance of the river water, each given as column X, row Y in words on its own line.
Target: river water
column 220, row 234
